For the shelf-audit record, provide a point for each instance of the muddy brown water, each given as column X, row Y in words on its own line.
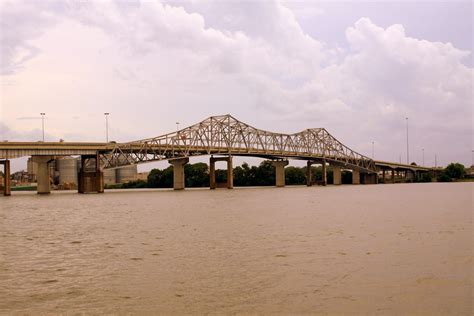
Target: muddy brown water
column 383, row 249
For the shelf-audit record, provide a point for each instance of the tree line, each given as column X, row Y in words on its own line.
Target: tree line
column 197, row 175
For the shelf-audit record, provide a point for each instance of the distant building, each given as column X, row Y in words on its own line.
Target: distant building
column 64, row 173
column 143, row 176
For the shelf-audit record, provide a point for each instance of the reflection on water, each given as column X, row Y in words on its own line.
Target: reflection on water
column 380, row 249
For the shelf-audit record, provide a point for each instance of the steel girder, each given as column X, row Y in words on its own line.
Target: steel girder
column 228, row 136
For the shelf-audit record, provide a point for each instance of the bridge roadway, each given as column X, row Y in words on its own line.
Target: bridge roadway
column 218, row 135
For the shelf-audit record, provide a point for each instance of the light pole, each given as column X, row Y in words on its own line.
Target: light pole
column 106, row 126
column 42, row 122
column 177, row 126
column 423, row 156
column 372, row 150
column 408, row 154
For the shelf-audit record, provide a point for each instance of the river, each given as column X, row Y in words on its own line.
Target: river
column 386, row 249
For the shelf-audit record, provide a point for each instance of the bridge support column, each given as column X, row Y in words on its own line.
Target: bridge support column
column 42, row 175
column 178, row 172
column 90, row 181
column 368, row 178
column 383, row 175
column 279, row 172
column 324, row 173
column 212, row 172
column 6, row 177
column 309, row 176
column 355, row 177
column 393, row 176
column 337, row 176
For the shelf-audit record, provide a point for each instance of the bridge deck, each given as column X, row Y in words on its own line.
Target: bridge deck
column 10, row 150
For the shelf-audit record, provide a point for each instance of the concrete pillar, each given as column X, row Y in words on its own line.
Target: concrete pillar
column 324, row 173
column 230, row 173
column 337, row 176
column 355, row 177
column 368, row 178
column 90, row 181
column 308, row 173
column 6, row 178
column 178, row 172
column 212, row 172
column 279, row 172
column 383, row 175
column 42, row 176
column 393, row 176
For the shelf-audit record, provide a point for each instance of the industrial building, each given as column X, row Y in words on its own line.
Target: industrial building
column 64, row 173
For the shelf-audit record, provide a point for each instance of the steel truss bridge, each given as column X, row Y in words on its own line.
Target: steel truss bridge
column 225, row 135
column 216, row 135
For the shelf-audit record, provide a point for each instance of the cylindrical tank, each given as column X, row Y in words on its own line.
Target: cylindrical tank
column 67, row 168
column 109, row 176
column 32, row 168
column 126, row 174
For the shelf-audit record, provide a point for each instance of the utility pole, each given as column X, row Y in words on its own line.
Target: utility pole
column 177, row 126
column 42, row 122
column 372, row 150
column 423, row 156
column 106, row 126
column 408, row 154
column 436, row 161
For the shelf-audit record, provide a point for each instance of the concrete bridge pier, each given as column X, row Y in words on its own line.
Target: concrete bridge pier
column 42, row 175
column 324, row 173
column 6, row 177
column 369, row 178
column 309, row 175
column 337, row 175
column 383, row 175
column 178, row 172
column 392, row 178
column 90, row 181
column 212, row 172
column 279, row 172
column 355, row 177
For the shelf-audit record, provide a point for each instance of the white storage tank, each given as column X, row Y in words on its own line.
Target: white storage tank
column 109, row 176
column 126, row 174
column 67, row 168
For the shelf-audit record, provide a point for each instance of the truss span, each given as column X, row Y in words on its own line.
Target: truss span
column 226, row 135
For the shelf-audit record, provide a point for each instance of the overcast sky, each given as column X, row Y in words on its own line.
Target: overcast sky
column 356, row 68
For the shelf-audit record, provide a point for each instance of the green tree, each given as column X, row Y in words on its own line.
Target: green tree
column 294, row 176
column 160, row 178
column 197, row 175
column 153, row 179
column 265, row 174
column 455, row 170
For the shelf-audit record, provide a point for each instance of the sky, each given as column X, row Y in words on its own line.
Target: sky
column 356, row 68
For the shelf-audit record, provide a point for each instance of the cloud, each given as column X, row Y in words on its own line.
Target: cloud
column 187, row 60
column 21, row 22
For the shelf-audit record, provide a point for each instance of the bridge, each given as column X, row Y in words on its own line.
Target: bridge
column 223, row 136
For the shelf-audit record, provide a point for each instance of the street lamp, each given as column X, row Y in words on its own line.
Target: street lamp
column 408, row 155
column 372, row 150
column 42, row 123
column 177, row 126
column 423, row 156
column 106, row 126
